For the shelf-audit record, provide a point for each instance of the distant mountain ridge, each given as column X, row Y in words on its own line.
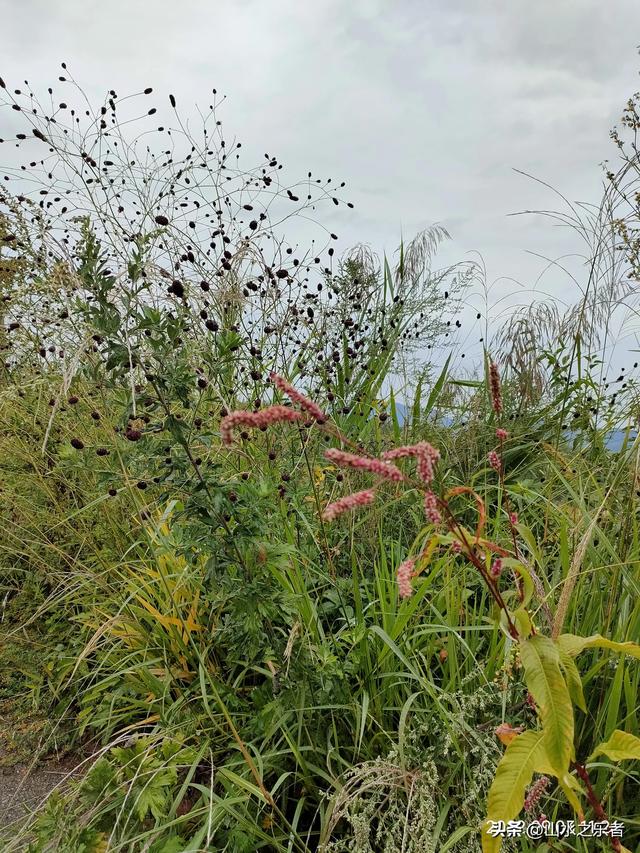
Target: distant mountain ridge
column 613, row 441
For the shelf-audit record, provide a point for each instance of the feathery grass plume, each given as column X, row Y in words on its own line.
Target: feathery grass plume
column 348, row 502
column 296, row 397
column 403, row 576
column 494, row 386
column 263, row 418
column 374, row 466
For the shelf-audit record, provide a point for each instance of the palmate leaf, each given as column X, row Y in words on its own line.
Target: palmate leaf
column 573, row 645
column 541, row 660
column 620, row 746
column 522, row 758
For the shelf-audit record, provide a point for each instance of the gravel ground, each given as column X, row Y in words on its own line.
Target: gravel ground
column 22, row 791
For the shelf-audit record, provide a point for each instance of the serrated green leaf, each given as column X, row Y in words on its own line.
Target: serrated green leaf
column 541, row 660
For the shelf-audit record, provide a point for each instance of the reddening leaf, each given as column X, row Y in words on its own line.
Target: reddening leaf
column 507, row 733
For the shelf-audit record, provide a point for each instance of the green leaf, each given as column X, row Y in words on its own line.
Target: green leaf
column 437, row 388
column 572, row 677
column 573, row 645
column 527, row 582
column 394, row 416
column 513, row 775
column 522, row 621
column 541, row 660
column 621, row 745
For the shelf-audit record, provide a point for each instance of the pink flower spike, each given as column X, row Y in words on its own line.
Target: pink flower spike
column 374, row 466
column 535, row 792
column 494, row 460
column 513, row 518
column 349, row 502
column 296, row 397
column 494, row 385
column 260, row 419
column 496, row 568
column 425, row 453
column 431, row 508
column 403, row 576
column 502, row 434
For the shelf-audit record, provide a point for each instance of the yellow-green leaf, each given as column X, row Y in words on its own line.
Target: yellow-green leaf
column 569, row 786
column 522, row 621
column 620, row 745
column 573, row 645
column 572, row 677
column 527, row 582
column 541, row 660
column 513, row 775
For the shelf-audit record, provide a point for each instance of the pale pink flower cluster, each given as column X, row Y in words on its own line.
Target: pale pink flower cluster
column 296, row 397
column 513, row 517
column 502, row 434
column 431, row 508
column 456, row 547
column 347, row 503
column 403, row 576
column 496, row 568
column 261, row 418
column 494, row 460
column 494, row 384
column 425, row 454
column 535, row 792
column 374, row 466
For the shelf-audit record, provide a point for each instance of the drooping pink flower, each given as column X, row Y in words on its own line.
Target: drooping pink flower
column 431, row 508
column 296, row 397
column 496, row 568
column 403, row 576
column 348, row 502
column 456, row 547
column 374, row 466
column 513, row 517
column 535, row 792
column 262, row 418
column 494, row 460
column 426, row 456
column 494, row 385
column 502, row 434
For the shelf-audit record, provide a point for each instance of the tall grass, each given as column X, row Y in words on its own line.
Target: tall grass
column 243, row 675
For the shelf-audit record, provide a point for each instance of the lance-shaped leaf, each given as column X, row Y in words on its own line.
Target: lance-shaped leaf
column 572, row 676
column 541, row 661
column 621, row 745
column 573, row 645
column 521, row 759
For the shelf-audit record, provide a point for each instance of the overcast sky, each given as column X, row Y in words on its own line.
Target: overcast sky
column 424, row 107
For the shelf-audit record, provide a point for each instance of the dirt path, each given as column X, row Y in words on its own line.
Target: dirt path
column 22, row 790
